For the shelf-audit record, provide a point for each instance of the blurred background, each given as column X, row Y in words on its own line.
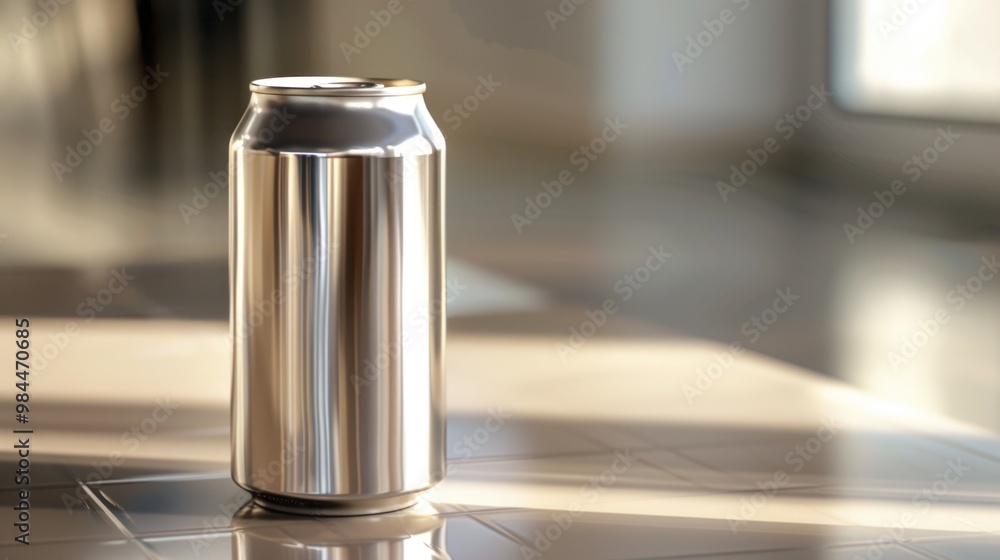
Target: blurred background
column 822, row 173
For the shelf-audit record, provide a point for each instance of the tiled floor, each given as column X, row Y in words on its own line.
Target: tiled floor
column 600, row 458
column 206, row 516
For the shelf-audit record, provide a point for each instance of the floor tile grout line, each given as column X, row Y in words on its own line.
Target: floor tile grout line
column 107, row 513
column 602, row 444
column 527, row 457
column 920, row 552
column 117, row 523
column 75, row 540
column 500, row 530
column 667, row 471
column 735, row 554
column 162, row 478
column 680, row 452
column 948, row 443
column 899, row 495
column 971, row 524
column 936, row 539
column 648, row 462
column 125, row 518
column 878, row 531
column 697, row 461
column 184, row 534
column 853, row 523
column 44, row 486
column 962, row 447
column 659, row 483
column 467, row 512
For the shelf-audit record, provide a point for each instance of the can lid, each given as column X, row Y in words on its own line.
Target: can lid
column 332, row 86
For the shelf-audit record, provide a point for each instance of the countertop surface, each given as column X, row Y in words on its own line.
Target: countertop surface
column 608, row 446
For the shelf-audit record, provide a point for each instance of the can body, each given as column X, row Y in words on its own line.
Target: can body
column 337, row 279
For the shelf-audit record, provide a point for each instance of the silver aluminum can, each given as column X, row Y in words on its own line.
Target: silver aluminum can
column 337, row 283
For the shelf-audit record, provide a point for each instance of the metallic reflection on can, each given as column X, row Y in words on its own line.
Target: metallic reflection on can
column 337, row 285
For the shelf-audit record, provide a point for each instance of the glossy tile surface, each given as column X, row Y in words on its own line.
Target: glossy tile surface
column 600, row 456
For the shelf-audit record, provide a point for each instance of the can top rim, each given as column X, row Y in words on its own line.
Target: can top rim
column 336, row 86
